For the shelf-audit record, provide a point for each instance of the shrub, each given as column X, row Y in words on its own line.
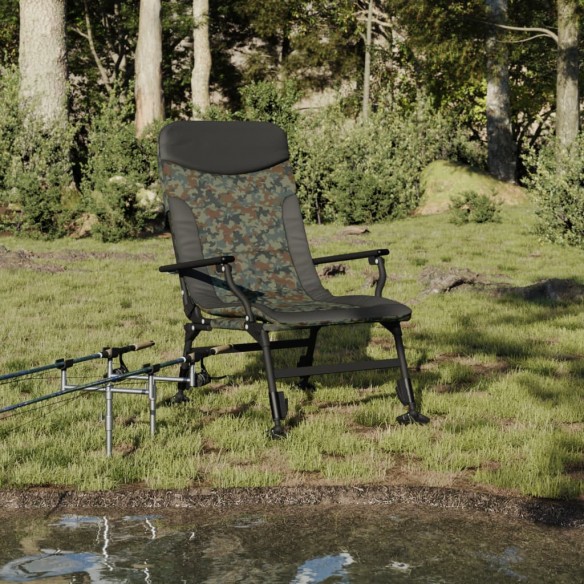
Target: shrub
column 35, row 164
column 557, row 184
column 10, row 121
column 267, row 101
column 470, row 207
column 119, row 184
column 365, row 172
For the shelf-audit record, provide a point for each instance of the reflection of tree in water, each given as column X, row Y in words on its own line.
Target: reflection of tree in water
column 287, row 545
column 48, row 556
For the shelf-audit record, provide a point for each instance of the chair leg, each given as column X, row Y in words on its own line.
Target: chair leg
column 278, row 402
column 405, row 392
column 307, row 359
column 190, row 335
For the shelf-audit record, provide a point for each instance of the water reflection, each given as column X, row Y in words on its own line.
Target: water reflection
column 289, row 546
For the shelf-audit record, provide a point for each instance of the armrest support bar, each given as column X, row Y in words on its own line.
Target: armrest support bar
column 177, row 268
column 359, row 255
column 375, row 257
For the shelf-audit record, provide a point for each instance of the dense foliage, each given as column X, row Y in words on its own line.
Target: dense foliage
column 427, row 101
column 557, row 183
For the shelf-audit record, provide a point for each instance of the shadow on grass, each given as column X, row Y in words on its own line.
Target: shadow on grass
column 520, row 311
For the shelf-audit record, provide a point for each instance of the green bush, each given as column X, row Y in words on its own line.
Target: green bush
column 470, row 207
column 267, row 101
column 35, row 165
column 119, row 184
column 10, row 122
column 365, row 172
column 557, row 184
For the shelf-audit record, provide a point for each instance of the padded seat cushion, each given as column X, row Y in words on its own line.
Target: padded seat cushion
column 335, row 310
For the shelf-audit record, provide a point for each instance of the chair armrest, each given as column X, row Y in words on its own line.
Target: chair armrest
column 375, row 257
column 358, row 255
column 177, row 268
column 222, row 263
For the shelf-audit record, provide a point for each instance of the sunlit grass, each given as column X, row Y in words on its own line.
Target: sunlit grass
column 502, row 378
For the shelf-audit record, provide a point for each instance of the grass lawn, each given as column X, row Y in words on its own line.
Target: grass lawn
column 500, row 374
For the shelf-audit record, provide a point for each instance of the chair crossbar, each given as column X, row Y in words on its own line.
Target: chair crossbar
column 336, row 368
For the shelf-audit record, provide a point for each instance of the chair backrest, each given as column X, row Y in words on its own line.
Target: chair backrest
column 229, row 190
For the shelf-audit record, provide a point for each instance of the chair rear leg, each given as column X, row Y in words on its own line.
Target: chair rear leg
column 405, row 392
column 307, row 359
column 190, row 335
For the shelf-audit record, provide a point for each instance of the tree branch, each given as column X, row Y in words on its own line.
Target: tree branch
column 543, row 31
column 89, row 36
column 525, row 40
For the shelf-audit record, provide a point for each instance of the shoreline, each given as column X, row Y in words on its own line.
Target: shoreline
column 552, row 512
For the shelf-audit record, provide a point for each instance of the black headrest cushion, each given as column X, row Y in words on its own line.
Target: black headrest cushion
column 223, row 147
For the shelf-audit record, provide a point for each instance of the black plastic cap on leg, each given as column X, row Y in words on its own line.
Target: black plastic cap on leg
column 277, row 432
column 412, row 417
column 180, row 397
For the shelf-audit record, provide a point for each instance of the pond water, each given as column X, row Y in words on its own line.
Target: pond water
column 294, row 545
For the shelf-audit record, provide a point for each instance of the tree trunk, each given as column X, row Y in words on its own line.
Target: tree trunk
column 149, row 100
column 367, row 67
column 42, row 60
column 567, row 98
column 202, row 57
column 502, row 160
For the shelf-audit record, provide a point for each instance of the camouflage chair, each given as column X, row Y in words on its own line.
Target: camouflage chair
column 243, row 257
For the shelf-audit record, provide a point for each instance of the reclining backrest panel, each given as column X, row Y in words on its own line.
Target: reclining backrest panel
column 240, row 196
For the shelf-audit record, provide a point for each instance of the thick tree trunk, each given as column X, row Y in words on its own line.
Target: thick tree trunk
column 502, row 159
column 149, row 101
column 42, row 60
column 202, row 56
column 567, row 96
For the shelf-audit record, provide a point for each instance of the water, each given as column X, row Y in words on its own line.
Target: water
column 292, row 546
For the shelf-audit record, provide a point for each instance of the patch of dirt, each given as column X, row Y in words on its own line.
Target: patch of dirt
column 437, row 280
column 26, row 260
column 550, row 512
column 53, row 262
column 480, row 369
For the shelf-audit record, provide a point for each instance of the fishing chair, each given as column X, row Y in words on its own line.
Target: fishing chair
column 243, row 258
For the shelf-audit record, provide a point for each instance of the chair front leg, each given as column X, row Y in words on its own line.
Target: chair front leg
column 405, row 393
column 278, row 401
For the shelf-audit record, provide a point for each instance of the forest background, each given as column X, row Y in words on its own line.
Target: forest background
column 369, row 91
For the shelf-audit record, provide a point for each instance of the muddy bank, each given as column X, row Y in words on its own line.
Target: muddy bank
column 545, row 511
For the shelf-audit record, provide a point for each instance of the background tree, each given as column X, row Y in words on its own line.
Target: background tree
column 148, row 89
column 42, row 59
column 502, row 155
column 202, row 58
column 567, row 93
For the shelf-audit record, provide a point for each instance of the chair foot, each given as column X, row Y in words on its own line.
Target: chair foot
column 305, row 385
column 412, row 417
column 180, row 398
column 277, row 432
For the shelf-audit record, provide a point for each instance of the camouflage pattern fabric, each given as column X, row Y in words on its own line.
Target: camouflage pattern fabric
column 241, row 215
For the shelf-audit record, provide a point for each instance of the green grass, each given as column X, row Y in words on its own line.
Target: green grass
column 502, row 378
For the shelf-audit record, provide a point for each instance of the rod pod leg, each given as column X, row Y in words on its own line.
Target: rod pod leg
column 191, row 333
